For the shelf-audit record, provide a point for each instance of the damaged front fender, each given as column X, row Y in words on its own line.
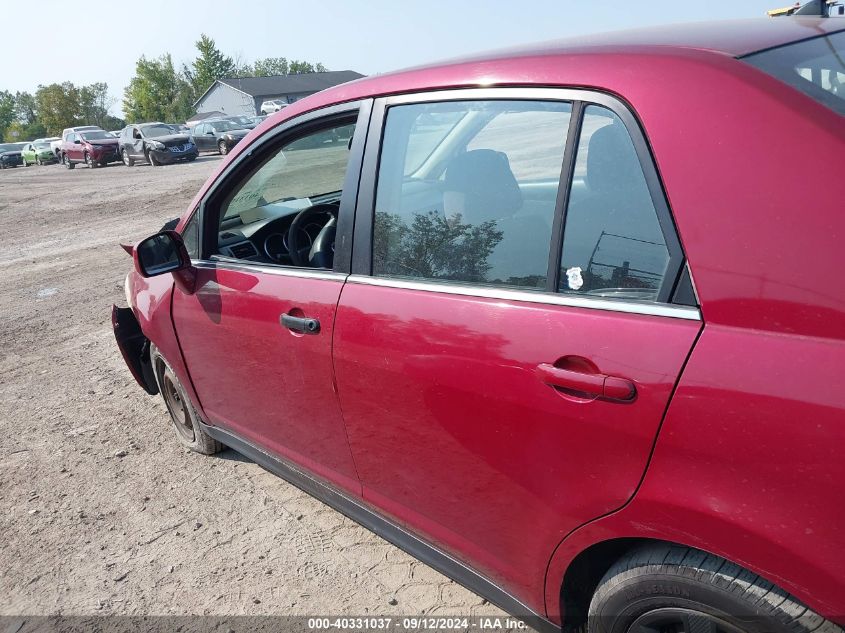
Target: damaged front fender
column 135, row 347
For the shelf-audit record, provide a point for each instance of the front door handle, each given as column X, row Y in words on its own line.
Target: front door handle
column 594, row 384
column 300, row 324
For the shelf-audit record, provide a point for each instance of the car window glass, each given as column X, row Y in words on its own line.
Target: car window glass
column 301, row 173
column 478, row 201
column 190, row 235
column 613, row 245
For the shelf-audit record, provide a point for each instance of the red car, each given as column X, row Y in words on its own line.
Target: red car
column 95, row 148
column 565, row 322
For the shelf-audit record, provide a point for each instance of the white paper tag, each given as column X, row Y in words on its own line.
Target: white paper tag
column 573, row 278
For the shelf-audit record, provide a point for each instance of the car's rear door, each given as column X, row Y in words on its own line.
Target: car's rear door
column 257, row 375
column 496, row 393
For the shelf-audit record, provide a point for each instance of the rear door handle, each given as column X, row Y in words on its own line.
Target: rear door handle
column 600, row 385
column 300, row 324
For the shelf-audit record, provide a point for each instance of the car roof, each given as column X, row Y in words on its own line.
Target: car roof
column 731, row 37
column 600, row 61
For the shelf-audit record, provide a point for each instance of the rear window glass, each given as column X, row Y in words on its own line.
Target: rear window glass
column 816, row 67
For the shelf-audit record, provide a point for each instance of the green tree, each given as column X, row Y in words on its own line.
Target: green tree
column 7, row 112
column 298, row 67
column 94, row 103
column 157, row 92
column 58, row 107
column 209, row 66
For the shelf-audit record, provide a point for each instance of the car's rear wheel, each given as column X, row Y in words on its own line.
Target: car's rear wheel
column 67, row 162
column 222, row 148
column 666, row 588
column 183, row 416
column 127, row 159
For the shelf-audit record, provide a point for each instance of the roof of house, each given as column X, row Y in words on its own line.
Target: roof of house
column 199, row 116
column 286, row 84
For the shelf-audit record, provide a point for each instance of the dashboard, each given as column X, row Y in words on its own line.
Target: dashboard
column 262, row 235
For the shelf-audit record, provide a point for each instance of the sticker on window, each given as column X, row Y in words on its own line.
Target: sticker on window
column 573, row 278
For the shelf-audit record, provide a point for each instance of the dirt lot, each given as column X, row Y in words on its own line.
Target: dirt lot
column 84, row 530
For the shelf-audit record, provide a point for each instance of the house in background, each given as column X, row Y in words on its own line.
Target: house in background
column 244, row 95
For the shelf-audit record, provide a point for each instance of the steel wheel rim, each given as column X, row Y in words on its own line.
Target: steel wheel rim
column 178, row 410
column 88, row 160
column 125, row 156
column 677, row 620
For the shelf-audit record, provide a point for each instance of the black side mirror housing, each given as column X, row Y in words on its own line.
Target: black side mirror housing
column 162, row 253
column 77, row 142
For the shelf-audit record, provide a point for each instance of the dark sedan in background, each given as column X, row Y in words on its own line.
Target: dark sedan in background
column 155, row 143
column 10, row 155
column 220, row 135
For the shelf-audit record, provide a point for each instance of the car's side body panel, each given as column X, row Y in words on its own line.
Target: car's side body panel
column 748, row 466
column 455, row 434
column 257, row 378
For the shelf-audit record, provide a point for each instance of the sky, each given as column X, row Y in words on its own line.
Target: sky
column 100, row 40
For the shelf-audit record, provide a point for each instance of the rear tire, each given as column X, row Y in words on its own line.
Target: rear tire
column 183, row 416
column 667, row 587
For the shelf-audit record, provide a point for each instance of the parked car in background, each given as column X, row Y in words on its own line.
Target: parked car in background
column 115, row 133
column 221, row 135
column 243, row 122
column 10, row 154
column 38, row 152
column 474, row 328
column 258, row 119
column 273, row 105
column 155, row 143
column 180, row 128
column 56, row 144
column 95, row 148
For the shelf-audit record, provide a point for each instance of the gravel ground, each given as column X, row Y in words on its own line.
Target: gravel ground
column 101, row 511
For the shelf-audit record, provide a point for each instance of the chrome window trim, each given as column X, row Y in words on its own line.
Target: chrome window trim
column 522, row 296
column 517, row 93
column 283, row 271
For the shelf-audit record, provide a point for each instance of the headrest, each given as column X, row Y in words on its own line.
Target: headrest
column 612, row 163
column 484, row 176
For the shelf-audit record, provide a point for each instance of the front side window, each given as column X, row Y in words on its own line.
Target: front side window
column 613, row 245
column 302, row 181
column 466, row 191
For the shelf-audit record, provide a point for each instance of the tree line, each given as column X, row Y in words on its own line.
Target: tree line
column 159, row 91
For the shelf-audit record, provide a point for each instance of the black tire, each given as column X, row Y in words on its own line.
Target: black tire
column 684, row 589
column 151, row 159
column 67, row 162
column 38, row 161
column 127, row 159
column 183, row 416
column 222, row 148
column 89, row 161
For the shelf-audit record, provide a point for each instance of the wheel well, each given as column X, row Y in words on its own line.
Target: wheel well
column 584, row 573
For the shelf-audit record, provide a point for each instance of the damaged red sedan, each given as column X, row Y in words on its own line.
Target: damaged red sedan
column 565, row 322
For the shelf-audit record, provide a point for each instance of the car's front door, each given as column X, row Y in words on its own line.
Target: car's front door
column 137, row 140
column 197, row 134
column 73, row 149
column 257, row 333
column 28, row 154
column 495, row 397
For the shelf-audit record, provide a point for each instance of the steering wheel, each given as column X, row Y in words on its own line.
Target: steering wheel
column 320, row 254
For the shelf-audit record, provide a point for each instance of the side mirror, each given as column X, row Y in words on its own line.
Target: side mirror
column 77, row 142
column 165, row 252
column 209, row 133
